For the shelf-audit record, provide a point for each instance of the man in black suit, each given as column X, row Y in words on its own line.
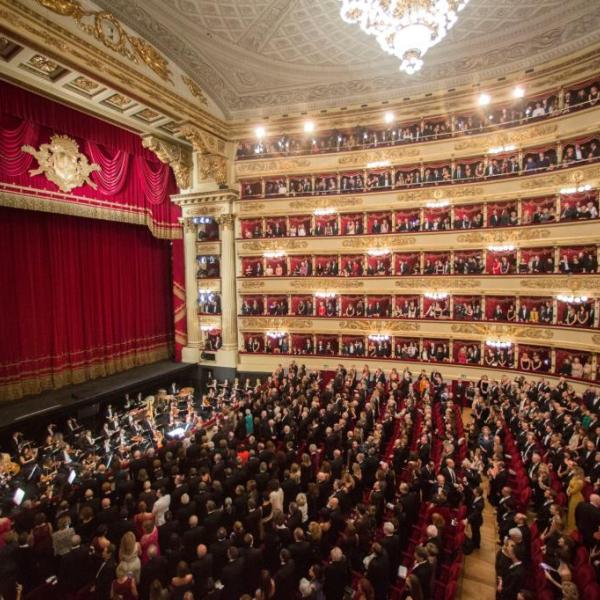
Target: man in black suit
column 218, row 550
column 337, row 575
column 202, row 570
column 192, row 537
column 475, row 517
column 285, row 578
column 422, row 571
column 300, row 551
column 156, row 567
column 253, row 564
column 390, row 542
column 587, row 518
column 106, row 574
column 410, row 502
column 378, row 571
column 73, row 572
column 232, row 575
column 512, row 582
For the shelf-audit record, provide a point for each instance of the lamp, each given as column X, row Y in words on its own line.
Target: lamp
column 406, row 29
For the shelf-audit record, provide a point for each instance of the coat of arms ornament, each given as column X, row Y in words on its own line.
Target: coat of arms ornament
column 62, row 163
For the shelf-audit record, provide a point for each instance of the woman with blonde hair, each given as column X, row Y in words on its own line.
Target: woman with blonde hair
column 129, row 555
column 574, row 493
column 302, row 504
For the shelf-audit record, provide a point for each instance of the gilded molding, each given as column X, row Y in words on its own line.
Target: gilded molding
column 329, row 284
column 275, row 323
column 194, row 89
column 325, row 202
column 284, row 164
column 107, row 29
column 368, row 156
column 498, row 237
column 266, row 245
column 105, row 213
column 576, row 283
column 450, row 192
column 251, row 284
column 596, row 338
column 251, row 206
column 365, row 243
column 506, row 137
column 225, row 221
column 212, row 166
column 562, row 177
column 378, row 326
column 203, row 141
column 62, row 163
column 503, row 330
column 175, row 155
column 209, row 247
column 437, row 283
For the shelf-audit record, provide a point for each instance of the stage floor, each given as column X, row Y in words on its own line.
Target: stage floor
column 77, row 396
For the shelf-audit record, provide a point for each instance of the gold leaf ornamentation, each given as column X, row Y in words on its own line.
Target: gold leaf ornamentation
column 62, row 163
column 506, row 137
column 378, row 326
column 106, row 28
column 175, row 155
column 450, row 192
column 251, row 284
column 275, row 323
column 251, row 206
column 273, row 245
column 437, row 282
column 562, row 282
column 329, row 284
column 194, row 89
column 285, row 164
column 568, row 176
column 391, row 154
column 314, row 203
column 511, row 331
column 499, row 237
column 364, row 243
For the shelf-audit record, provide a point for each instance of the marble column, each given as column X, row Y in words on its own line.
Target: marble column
column 228, row 289
column 191, row 353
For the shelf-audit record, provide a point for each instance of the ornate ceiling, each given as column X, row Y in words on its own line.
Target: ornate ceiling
column 263, row 57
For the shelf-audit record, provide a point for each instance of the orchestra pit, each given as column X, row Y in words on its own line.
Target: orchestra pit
column 300, row 300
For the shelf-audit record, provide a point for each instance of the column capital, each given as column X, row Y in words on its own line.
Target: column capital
column 225, row 220
column 188, row 224
column 176, row 156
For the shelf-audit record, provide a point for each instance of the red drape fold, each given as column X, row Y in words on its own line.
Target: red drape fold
column 14, row 134
column 115, row 168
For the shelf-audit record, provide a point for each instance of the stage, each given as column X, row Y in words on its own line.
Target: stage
column 86, row 399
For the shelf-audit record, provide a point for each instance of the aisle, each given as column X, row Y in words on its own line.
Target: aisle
column 478, row 579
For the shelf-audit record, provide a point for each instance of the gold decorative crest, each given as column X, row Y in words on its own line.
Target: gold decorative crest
column 251, row 206
column 62, row 163
column 437, row 283
column 252, row 284
column 562, row 282
column 505, row 138
column 313, row 203
column 391, row 154
column 273, row 245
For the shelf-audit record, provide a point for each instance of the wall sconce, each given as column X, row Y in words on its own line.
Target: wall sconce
column 323, row 212
column 572, row 299
column 498, row 344
column 498, row 149
column 436, row 295
column 379, row 338
column 437, row 204
column 277, row 254
column 504, row 248
column 275, row 335
column 378, row 164
column 573, row 190
column 325, row 294
column 378, row 252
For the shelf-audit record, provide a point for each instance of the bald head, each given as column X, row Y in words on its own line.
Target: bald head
column 201, row 551
column 595, row 500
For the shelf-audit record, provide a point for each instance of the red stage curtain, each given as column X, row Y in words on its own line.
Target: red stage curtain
column 132, row 180
column 80, row 299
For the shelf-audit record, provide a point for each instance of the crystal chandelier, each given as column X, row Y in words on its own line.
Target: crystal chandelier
column 404, row 28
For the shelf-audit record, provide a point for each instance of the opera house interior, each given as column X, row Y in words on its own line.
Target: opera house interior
column 299, row 299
